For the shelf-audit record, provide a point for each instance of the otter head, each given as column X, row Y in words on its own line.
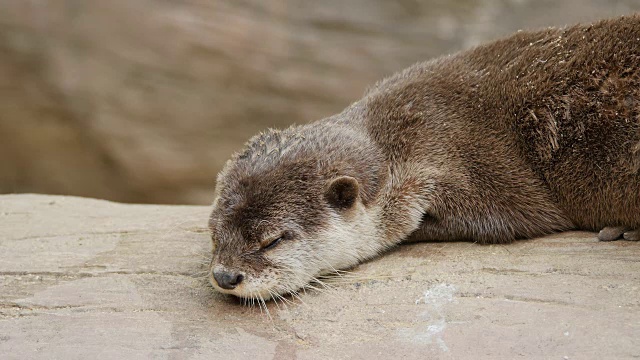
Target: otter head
column 295, row 204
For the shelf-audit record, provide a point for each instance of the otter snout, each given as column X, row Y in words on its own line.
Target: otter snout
column 228, row 280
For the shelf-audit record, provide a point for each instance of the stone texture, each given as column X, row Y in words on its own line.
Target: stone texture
column 143, row 101
column 84, row 279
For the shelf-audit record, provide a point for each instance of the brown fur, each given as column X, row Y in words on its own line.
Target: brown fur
column 529, row 135
column 541, row 128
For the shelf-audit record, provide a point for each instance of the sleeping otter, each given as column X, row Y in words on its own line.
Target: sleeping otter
column 525, row 136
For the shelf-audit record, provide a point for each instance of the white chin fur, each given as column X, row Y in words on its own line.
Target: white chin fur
column 347, row 240
column 350, row 239
column 342, row 243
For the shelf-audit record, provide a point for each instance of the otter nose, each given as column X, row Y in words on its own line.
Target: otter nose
column 228, row 279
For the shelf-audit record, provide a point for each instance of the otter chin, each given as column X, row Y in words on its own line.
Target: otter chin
column 525, row 136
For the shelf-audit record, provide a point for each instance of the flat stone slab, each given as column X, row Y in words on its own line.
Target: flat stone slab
column 90, row 279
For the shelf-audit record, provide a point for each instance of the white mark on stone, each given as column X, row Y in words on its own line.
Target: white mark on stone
column 431, row 322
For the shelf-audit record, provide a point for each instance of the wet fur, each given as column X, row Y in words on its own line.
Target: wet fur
column 525, row 136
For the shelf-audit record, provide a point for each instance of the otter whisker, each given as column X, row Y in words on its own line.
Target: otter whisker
column 264, row 304
column 325, row 290
column 354, row 279
column 296, row 295
column 337, row 272
column 322, row 283
column 289, row 291
column 309, row 286
column 305, row 284
column 259, row 303
column 199, row 275
column 273, row 297
column 285, row 301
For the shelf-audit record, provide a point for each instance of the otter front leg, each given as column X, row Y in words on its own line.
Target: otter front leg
column 455, row 228
column 612, row 233
column 468, row 215
column 432, row 230
column 407, row 196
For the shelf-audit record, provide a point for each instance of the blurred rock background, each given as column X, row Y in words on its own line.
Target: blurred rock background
column 143, row 101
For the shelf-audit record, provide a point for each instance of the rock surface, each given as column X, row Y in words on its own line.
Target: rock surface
column 85, row 279
column 143, row 101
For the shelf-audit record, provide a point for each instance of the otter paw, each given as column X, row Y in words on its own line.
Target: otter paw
column 611, row 233
column 633, row 235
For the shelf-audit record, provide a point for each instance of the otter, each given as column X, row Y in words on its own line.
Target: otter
column 522, row 137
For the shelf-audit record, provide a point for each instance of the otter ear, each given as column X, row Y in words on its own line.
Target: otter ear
column 342, row 192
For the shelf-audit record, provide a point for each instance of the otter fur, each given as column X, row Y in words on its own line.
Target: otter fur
column 529, row 135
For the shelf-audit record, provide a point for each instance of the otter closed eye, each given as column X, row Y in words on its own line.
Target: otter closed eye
column 509, row 140
column 270, row 243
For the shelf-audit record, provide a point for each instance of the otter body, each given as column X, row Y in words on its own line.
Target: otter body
column 529, row 135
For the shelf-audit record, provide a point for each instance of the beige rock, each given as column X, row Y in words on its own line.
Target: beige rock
column 85, row 279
